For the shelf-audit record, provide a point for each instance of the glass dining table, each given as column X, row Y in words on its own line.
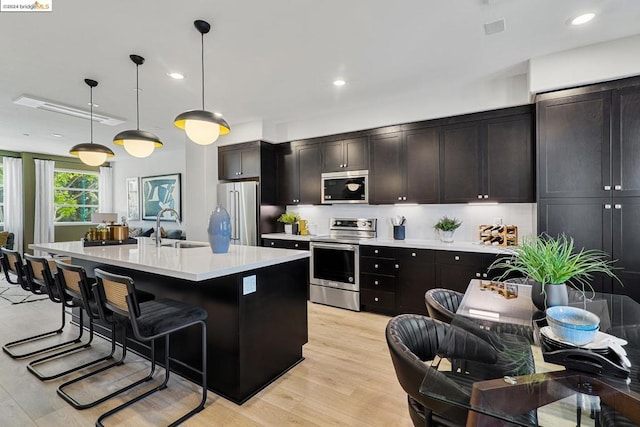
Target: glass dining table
column 567, row 385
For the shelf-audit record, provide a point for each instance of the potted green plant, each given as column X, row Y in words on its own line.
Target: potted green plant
column 552, row 264
column 289, row 218
column 446, row 226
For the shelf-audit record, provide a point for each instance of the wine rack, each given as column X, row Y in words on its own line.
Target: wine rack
column 498, row 235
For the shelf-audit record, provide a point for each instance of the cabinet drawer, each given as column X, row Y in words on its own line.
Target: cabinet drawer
column 286, row 244
column 388, row 266
column 377, row 300
column 460, row 258
column 378, row 282
column 377, row 251
column 416, row 255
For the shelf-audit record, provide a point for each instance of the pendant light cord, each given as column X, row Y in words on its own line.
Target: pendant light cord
column 202, row 61
column 91, row 110
column 137, row 100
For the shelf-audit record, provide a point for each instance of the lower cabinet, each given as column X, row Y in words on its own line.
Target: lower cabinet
column 286, row 244
column 394, row 280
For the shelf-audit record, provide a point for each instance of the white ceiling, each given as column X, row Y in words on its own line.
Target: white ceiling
column 272, row 61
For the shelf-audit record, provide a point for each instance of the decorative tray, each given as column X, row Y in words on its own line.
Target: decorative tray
column 129, row 241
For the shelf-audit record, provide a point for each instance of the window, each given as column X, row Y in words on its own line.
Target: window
column 1, row 196
column 75, row 195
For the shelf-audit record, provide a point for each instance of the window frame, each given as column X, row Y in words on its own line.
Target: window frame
column 55, row 205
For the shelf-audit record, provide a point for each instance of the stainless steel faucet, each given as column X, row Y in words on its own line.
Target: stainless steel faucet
column 158, row 234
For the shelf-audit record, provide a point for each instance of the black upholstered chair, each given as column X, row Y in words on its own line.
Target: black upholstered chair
column 40, row 281
column 442, row 303
column 151, row 320
column 76, row 287
column 414, row 340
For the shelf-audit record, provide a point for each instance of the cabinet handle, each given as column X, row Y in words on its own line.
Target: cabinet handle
column 375, row 251
column 413, row 254
column 399, row 198
column 477, row 274
column 479, row 196
column 272, row 243
column 617, row 187
column 375, row 282
column 486, row 196
column 618, row 206
column 376, row 299
column 404, row 198
column 484, row 275
column 345, row 165
column 457, row 258
column 296, row 245
column 375, row 266
column 397, row 266
column 607, row 187
column 607, row 206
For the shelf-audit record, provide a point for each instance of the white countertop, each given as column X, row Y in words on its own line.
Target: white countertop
column 460, row 246
column 195, row 264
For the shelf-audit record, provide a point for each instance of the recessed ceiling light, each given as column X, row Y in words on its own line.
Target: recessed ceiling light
column 177, row 76
column 57, row 135
column 582, row 19
column 339, row 82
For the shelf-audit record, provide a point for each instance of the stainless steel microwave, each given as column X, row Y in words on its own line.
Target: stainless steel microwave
column 345, row 187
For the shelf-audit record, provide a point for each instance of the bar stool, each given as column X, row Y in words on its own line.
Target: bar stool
column 151, row 320
column 73, row 281
column 40, row 280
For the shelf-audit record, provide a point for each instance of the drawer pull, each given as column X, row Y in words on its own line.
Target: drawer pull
column 375, row 266
column 272, row 243
column 484, row 275
column 397, row 266
column 413, row 254
column 376, row 282
column 607, row 187
column 618, row 187
column 376, row 299
column 375, row 251
column 477, row 274
column 457, row 258
column 296, row 245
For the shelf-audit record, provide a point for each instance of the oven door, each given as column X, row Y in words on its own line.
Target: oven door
column 335, row 265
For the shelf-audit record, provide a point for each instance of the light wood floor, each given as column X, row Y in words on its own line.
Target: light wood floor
column 346, row 379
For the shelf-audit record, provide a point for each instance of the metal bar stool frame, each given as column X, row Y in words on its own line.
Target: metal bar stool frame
column 39, row 276
column 73, row 280
column 119, row 296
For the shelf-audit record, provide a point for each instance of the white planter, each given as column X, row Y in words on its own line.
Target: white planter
column 288, row 228
column 446, row 236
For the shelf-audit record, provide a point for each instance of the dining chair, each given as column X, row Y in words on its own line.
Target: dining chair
column 151, row 320
column 442, row 303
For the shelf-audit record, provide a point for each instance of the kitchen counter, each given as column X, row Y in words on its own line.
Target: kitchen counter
column 195, row 263
column 255, row 298
column 284, row 236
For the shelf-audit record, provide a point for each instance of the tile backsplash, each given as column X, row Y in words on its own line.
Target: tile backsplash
column 420, row 218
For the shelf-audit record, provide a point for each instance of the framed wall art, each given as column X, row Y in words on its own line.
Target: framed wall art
column 160, row 192
column 133, row 199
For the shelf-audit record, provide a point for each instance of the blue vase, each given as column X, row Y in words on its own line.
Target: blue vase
column 219, row 230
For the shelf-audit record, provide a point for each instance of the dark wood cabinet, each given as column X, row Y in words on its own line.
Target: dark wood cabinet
column 574, row 143
column 405, row 167
column 455, row 269
column 588, row 175
column 416, row 276
column 299, row 170
column 286, row 244
column 378, row 280
column 238, row 161
column 345, row 155
column 488, row 160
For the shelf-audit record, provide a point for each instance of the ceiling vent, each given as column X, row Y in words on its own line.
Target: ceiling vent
column 494, row 27
column 55, row 107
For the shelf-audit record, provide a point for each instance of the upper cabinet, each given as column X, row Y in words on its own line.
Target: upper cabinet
column 299, row 171
column 626, row 146
column 488, row 160
column 239, row 161
column 346, row 155
column 404, row 167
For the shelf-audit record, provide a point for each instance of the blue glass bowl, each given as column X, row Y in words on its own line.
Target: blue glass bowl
column 573, row 325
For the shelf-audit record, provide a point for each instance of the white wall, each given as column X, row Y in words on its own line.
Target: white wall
column 420, row 218
column 590, row 64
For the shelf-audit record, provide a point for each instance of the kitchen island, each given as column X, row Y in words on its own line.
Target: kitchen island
column 256, row 299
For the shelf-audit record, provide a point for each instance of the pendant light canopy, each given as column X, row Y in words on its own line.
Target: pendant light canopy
column 138, row 143
column 201, row 126
column 91, row 154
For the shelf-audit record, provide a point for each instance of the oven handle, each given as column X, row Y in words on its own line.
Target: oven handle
column 339, row 246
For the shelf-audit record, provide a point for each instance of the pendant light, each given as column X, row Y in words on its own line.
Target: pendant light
column 138, row 143
column 91, row 154
column 202, row 127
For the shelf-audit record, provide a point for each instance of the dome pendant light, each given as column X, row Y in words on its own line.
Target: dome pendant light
column 91, row 154
column 138, row 143
column 202, row 127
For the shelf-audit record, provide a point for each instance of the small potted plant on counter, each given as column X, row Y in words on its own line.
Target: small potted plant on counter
column 552, row 263
column 288, row 219
column 446, row 226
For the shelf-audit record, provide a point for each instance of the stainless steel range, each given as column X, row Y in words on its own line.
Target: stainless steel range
column 335, row 262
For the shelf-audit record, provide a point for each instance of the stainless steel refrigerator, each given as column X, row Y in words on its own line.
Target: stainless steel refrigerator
column 240, row 199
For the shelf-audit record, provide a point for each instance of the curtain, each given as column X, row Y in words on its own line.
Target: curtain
column 13, row 200
column 105, row 190
column 45, row 212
